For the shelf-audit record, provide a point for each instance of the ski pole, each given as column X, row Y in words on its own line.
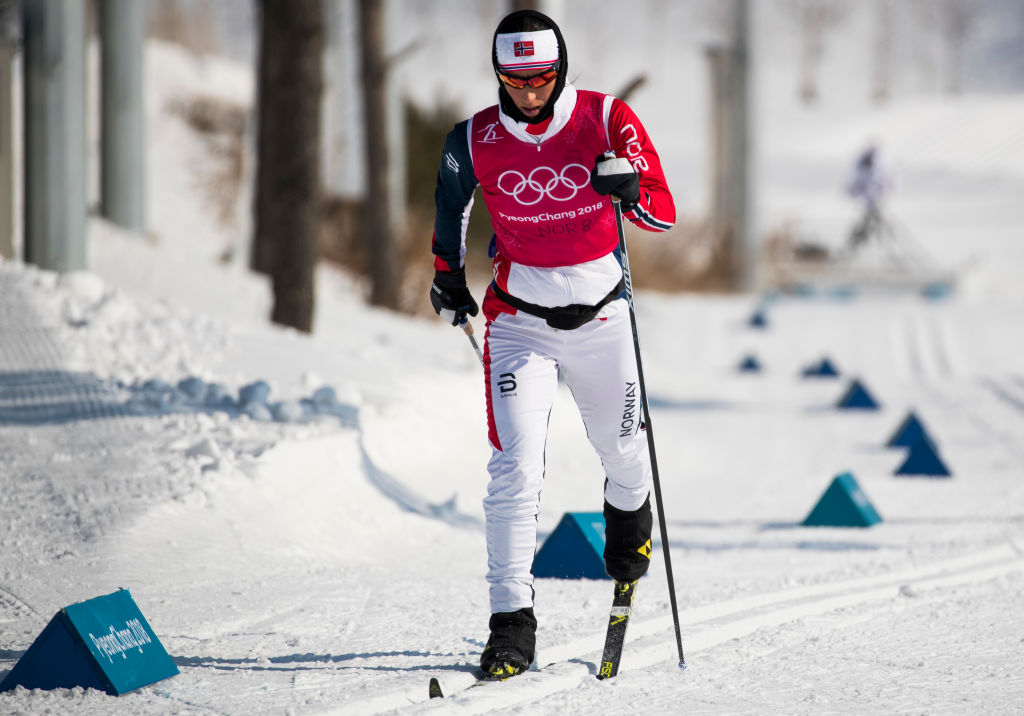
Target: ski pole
column 467, row 328
column 650, row 433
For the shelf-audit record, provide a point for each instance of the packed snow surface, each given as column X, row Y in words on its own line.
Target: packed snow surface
column 299, row 517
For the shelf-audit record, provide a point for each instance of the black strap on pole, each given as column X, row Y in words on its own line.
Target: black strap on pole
column 650, row 435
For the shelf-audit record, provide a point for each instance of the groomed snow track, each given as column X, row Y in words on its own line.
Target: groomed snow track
column 650, row 641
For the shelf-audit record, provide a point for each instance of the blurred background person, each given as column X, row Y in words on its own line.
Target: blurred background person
column 869, row 183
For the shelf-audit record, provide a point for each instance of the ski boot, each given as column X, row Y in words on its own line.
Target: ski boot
column 510, row 648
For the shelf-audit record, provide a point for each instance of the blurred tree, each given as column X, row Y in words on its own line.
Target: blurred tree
column 881, row 76
column 731, row 148
column 288, row 155
column 189, row 23
column 10, row 15
column 122, row 119
column 54, row 163
column 815, row 18
column 379, row 231
column 958, row 20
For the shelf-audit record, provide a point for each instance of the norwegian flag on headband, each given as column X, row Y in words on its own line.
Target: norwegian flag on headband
column 523, row 48
column 526, row 50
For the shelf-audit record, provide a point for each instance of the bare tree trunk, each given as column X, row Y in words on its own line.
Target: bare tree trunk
column 959, row 19
column 815, row 17
column 9, row 41
column 732, row 149
column 288, row 155
column 882, row 59
column 379, row 232
column 812, row 28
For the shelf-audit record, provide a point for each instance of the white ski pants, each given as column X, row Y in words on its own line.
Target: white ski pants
column 523, row 356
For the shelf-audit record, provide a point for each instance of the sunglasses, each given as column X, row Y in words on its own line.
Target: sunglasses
column 534, row 81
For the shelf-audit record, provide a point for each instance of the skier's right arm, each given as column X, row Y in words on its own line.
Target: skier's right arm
column 453, row 198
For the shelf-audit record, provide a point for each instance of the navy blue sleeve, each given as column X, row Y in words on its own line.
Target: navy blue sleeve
column 453, row 199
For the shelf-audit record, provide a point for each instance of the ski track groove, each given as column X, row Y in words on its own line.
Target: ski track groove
column 1004, row 393
column 649, row 641
column 932, row 352
column 1009, row 438
column 914, row 358
column 200, row 708
column 941, row 343
column 44, row 404
column 898, row 354
column 9, row 601
column 927, row 346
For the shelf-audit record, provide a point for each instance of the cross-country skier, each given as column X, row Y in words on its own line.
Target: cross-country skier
column 556, row 303
column 869, row 182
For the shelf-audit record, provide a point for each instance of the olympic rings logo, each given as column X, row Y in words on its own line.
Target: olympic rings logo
column 544, row 181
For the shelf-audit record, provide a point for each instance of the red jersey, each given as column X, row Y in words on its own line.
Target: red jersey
column 543, row 209
column 555, row 236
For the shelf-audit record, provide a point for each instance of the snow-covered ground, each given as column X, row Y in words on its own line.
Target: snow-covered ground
column 333, row 561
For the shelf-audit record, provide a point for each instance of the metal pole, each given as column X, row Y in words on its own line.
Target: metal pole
column 467, row 328
column 8, row 51
column 122, row 24
column 741, row 147
column 55, row 187
column 650, row 435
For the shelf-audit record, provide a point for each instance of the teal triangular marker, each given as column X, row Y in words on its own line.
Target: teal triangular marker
column 57, row 659
column 103, row 643
column 844, row 504
column 575, row 550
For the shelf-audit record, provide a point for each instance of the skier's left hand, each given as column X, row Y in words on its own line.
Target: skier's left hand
column 615, row 176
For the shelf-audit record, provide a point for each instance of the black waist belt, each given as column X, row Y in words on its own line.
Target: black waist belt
column 565, row 318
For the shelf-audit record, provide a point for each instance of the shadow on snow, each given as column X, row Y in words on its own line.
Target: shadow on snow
column 48, row 397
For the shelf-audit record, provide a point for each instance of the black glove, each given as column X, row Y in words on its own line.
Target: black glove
column 451, row 298
column 615, row 176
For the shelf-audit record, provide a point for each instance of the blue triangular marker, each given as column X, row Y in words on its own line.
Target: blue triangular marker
column 575, row 550
column 750, row 364
column 758, row 319
column 823, row 369
column 844, row 504
column 909, row 433
column 857, row 397
column 923, row 460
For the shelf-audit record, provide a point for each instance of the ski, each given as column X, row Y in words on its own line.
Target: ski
column 618, row 620
column 477, row 677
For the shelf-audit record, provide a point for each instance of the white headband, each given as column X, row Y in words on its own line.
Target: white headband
column 527, row 50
